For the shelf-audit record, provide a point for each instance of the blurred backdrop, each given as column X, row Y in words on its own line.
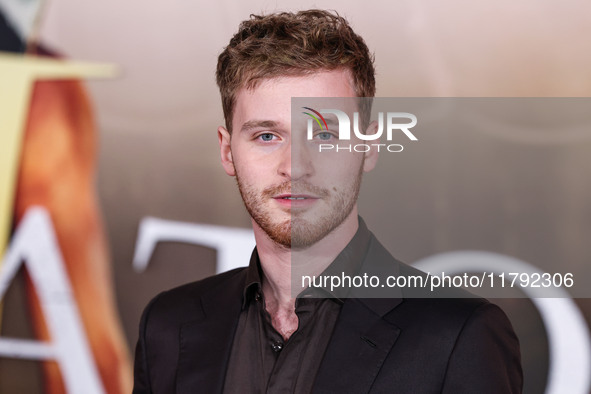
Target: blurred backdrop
column 104, row 155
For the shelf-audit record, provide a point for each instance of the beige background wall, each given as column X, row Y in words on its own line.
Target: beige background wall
column 158, row 119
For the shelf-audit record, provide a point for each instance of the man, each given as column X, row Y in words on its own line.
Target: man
column 244, row 331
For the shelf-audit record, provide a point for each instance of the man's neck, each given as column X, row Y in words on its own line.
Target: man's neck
column 281, row 264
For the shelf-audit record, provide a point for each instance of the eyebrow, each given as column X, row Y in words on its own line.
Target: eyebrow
column 258, row 124
column 331, row 120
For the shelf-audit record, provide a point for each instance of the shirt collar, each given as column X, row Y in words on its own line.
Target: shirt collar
column 348, row 262
column 253, row 284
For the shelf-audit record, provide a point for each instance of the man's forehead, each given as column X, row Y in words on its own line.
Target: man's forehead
column 338, row 81
column 271, row 98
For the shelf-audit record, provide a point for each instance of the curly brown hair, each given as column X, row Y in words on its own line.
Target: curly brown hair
column 292, row 44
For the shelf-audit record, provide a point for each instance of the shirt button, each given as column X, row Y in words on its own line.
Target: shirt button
column 277, row 346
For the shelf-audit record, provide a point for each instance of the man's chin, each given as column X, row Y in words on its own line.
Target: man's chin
column 302, row 234
column 299, row 231
column 278, row 232
column 293, row 233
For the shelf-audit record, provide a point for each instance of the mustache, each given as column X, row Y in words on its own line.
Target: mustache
column 300, row 187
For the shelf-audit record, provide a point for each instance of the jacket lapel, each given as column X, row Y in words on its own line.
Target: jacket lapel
column 363, row 337
column 358, row 347
column 205, row 343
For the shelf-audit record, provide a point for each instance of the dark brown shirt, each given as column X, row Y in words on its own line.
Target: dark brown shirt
column 261, row 361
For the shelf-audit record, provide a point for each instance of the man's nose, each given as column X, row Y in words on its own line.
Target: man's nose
column 296, row 161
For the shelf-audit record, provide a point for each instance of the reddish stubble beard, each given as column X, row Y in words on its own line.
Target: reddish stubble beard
column 298, row 232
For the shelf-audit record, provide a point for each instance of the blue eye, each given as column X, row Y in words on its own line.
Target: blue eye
column 325, row 136
column 267, row 137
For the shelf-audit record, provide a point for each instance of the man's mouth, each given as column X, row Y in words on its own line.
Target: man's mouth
column 296, row 201
column 293, row 197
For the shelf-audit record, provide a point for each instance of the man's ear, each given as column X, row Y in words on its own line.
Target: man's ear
column 224, row 139
column 371, row 156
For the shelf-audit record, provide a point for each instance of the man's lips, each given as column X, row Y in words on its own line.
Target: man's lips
column 289, row 201
column 292, row 197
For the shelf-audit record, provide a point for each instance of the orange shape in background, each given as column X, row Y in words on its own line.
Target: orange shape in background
column 57, row 171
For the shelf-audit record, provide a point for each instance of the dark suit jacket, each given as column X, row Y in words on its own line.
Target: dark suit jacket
column 399, row 344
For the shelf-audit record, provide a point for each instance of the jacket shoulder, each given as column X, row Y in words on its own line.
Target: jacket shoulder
column 159, row 342
column 184, row 302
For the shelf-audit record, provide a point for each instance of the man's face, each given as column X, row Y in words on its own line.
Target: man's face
column 294, row 193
